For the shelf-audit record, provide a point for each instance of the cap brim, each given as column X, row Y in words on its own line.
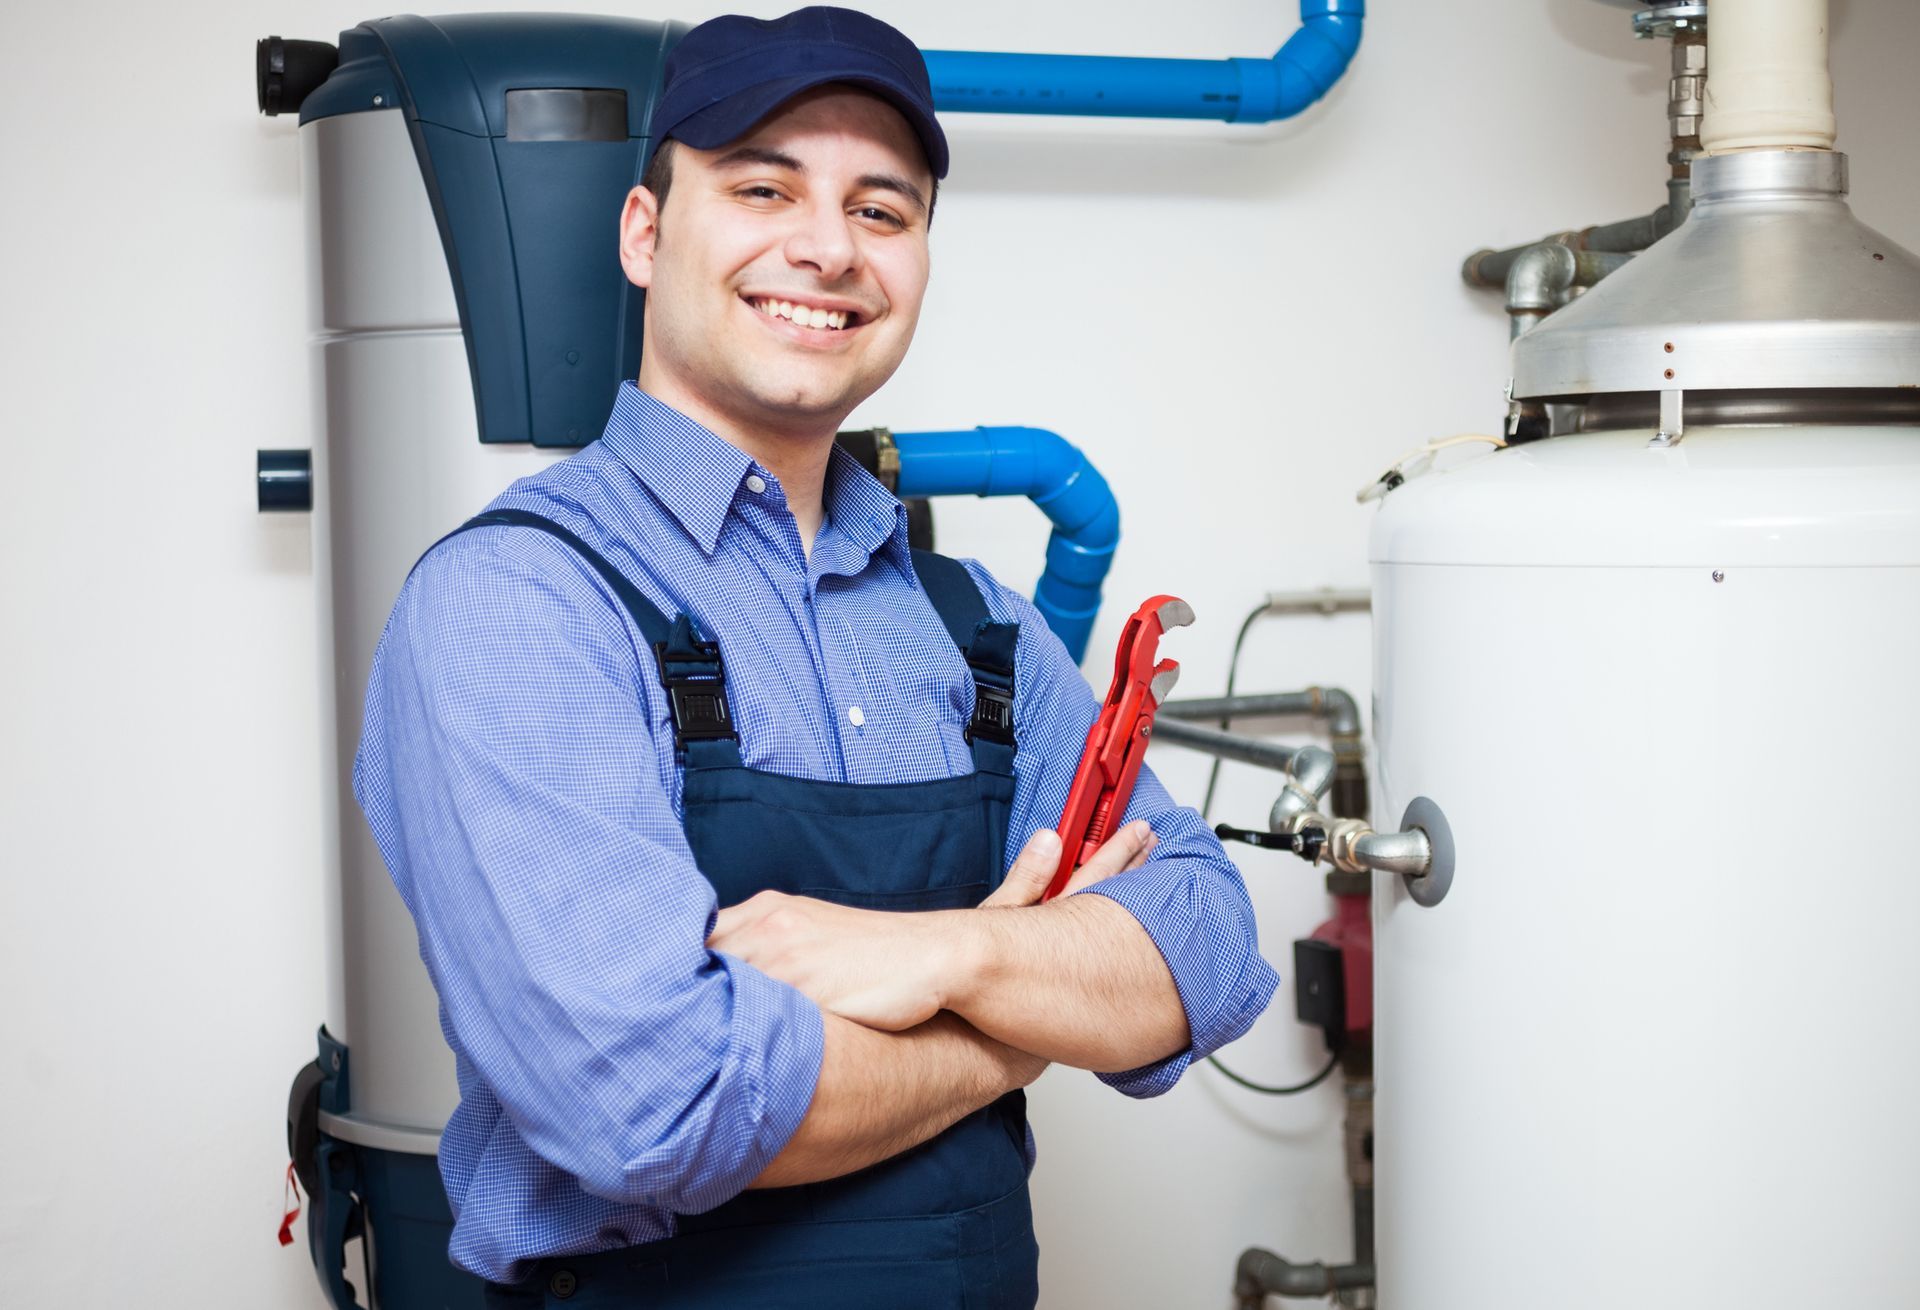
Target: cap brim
column 732, row 118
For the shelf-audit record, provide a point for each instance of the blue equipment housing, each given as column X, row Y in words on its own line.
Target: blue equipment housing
column 530, row 130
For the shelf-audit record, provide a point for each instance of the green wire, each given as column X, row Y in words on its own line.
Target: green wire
column 1265, row 1090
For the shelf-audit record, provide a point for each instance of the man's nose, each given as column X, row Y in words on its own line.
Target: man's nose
column 823, row 241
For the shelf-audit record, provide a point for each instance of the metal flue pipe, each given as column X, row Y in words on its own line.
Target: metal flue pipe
column 1770, row 88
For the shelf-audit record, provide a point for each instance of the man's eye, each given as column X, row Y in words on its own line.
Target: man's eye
column 875, row 214
column 760, row 193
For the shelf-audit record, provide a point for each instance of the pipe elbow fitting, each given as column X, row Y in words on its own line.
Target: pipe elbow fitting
column 1058, row 477
column 1540, row 279
column 1071, row 492
column 1261, row 1273
column 1312, row 770
column 1309, row 774
column 1306, row 67
column 1408, row 853
column 1343, row 714
column 1074, row 496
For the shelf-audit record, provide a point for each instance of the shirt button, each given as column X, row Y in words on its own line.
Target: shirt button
column 755, row 483
column 856, row 716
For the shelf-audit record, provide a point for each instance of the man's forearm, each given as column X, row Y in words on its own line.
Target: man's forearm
column 1076, row 981
column 880, row 1093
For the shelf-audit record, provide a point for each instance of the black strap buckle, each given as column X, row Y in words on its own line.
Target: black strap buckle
column 992, row 713
column 696, row 694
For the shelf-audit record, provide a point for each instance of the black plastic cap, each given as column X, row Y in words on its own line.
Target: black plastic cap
column 284, row 479
column 287, row 72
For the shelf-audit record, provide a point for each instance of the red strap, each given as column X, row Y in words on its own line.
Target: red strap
column 290, row 1198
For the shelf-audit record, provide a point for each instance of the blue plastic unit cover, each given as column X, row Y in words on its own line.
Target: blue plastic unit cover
column 551, row 323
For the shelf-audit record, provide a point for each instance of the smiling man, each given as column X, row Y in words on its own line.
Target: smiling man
column 721, row 813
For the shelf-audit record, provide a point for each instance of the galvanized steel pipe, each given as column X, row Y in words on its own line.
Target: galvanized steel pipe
column 1226, row 745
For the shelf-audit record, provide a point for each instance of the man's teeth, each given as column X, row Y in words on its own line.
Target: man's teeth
column 804, row 315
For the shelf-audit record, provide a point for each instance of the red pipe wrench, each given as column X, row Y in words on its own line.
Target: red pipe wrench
column 1117, row 742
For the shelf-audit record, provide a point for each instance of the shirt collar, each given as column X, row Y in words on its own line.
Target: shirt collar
column 696, row 474
column 692, row 472
column 862, row 509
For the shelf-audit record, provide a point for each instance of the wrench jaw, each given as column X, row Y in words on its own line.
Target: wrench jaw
column 1174, row 613
column 1140, row 642
column 1165, row 674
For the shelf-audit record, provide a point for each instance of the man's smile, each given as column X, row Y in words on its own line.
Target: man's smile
column 815, row 317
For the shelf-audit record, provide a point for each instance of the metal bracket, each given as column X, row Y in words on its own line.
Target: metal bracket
column 1673, row 422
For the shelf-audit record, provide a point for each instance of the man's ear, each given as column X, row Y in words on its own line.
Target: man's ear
column 639, row 233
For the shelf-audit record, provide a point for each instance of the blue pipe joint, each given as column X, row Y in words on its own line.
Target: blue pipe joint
column 1306, row 67
column 1231, row 90
column 1057, row 477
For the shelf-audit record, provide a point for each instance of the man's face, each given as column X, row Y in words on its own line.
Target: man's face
column 785, row 277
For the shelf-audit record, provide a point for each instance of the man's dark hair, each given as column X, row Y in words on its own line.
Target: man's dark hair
column 659, row 179
column 659, row 175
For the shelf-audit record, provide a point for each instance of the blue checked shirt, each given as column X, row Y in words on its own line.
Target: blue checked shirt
column 516, row 767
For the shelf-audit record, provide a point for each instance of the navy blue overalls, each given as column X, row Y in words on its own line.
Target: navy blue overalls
column 946, row 1225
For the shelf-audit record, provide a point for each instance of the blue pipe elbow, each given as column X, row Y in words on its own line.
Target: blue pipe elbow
column 1051, row 471
column 1233, row 90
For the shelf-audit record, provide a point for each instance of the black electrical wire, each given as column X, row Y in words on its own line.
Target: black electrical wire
column 1265, row 1090
column 1233, row 671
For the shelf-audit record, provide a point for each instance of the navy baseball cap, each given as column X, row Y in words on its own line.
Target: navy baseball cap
column 730, row 72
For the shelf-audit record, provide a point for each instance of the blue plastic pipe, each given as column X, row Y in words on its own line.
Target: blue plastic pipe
column 1236, row 90
column 1059, row 479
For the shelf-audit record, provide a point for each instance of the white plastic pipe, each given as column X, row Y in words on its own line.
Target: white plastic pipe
column 1768, row 87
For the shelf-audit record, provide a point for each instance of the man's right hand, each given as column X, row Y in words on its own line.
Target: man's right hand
column 1026, row 882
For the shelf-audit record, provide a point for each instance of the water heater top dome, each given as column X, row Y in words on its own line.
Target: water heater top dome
column 1771, row 283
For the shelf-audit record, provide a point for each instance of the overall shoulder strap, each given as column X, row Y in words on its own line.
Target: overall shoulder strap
column 689, row 668
column 988, row 648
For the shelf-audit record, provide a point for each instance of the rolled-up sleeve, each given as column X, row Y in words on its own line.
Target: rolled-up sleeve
column 1188, row 896
column 511, row 774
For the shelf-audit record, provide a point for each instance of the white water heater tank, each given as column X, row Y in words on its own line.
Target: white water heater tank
column 1659, row 1044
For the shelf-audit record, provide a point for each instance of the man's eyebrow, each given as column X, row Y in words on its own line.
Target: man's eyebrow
column 759, row 155
column 894, row 182
column 742, row 156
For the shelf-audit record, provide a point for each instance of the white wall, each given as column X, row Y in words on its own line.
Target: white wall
column 1240, row 325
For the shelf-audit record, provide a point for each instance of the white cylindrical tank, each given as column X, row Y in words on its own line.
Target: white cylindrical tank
column 396, row 464
column 1656, row 1046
